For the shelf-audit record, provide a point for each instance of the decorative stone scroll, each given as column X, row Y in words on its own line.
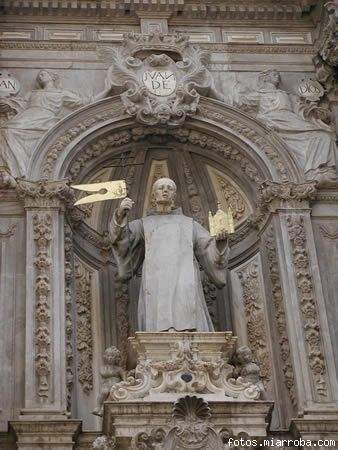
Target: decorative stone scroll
column 42, row 229
column 84, row 333
column 157, row 89
column 255, row 317
column 174, row 363
column 308, row 305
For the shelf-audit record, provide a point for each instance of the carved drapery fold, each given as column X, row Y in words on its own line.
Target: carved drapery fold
column 278, row 301
column 255, row 318
column 42, row 228
column 84, row 332
column 308, row 304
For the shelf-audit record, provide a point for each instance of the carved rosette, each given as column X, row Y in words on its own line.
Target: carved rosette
column 308, row 304
column 84, row 333
column 278, row 301
column 42, row 229
column 255, row 318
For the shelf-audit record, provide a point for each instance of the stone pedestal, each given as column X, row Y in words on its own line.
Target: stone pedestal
column 183, row 394
column 46, row 435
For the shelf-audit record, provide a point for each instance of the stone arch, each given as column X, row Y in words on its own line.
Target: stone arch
column 214, row 120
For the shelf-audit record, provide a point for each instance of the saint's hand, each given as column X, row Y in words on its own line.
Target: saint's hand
column 222, row 241
column 125, row 207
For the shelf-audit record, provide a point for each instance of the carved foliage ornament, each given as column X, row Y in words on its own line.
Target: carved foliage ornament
column 308, row 305
column 157, row 89
column 255, row 316
column 42, row 229
column 278, row 301
column 69, row 288
column 84, row 334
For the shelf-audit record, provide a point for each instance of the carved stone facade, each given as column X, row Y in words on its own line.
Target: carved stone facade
column 255, row 317
column 308, row 304
column 237, row 102
column 84, row 333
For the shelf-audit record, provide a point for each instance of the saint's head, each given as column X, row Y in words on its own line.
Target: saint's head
column 164, row 193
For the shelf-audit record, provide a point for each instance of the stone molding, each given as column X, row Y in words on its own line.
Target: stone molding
column 44, row 193
column 308, row 305
column 261, row 10
column 214, row 119
column 290, row 195
column 212, row 47
column 51, row 434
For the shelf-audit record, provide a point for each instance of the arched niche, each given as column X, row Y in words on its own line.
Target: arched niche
column 218, row 151
column 219, row 155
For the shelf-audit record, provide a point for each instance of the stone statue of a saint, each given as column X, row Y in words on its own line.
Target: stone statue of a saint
column 171, row 246
column 39, row 112
column 313, row 144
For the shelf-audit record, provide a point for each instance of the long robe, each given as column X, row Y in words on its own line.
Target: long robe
column 169, row 245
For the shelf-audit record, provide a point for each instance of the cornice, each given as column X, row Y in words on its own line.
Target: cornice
column 213, row 47
column 221, row 9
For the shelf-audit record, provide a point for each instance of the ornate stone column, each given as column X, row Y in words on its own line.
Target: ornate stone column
column 45, row 373
column 307, row 328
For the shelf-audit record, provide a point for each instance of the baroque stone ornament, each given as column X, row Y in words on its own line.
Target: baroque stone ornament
column 69, row 292
column 308, row 304
column 190, row 427
column 111, row 373
column 6, row 179
column 157, row 89
column 197, row 363
column 273, row 194
column 278, row 301
column 255, row 317
column 42, row 229
column 84, row 335
column 44, row 193
column 104, row 443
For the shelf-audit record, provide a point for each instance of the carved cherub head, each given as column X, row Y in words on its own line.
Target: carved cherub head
column 164, row 192
column 112, row 356
column 244, row 355
column 46, row 77
column 271, row 76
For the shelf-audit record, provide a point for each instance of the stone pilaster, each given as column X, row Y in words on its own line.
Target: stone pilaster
column 306, row 320
column 45, row 372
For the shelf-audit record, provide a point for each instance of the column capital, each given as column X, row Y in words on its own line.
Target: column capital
column 44, row 194
column 286, row 195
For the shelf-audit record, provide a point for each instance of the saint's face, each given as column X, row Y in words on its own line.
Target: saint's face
column 44, row 77
column 164, row 192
